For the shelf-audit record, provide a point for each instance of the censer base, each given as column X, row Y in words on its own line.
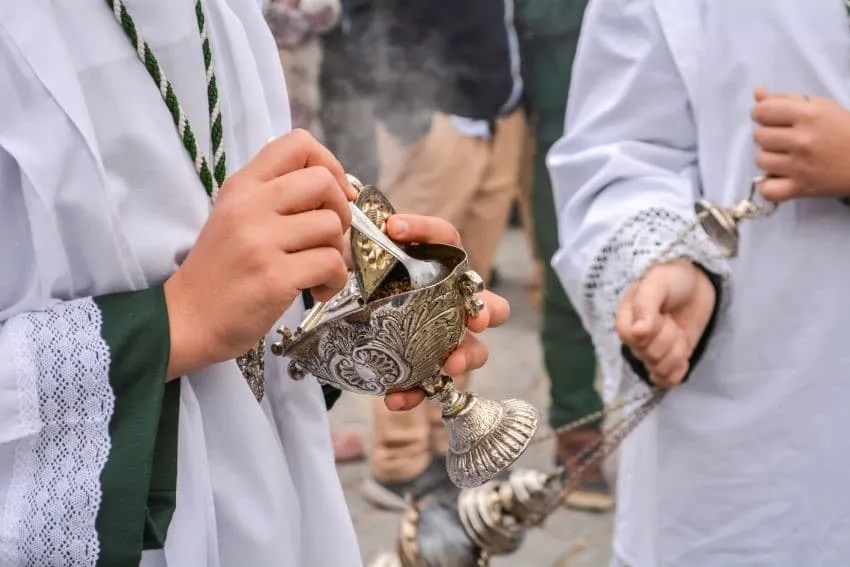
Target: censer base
column 485, row 437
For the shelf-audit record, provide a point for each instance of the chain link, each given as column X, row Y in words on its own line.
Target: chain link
column 596, row 416
column 610, row 440
column 646, row 400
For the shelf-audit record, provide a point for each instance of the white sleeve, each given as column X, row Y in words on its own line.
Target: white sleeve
column 55, row 403
column 625, row 173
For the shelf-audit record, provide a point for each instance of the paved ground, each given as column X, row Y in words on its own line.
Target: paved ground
column 569, row 538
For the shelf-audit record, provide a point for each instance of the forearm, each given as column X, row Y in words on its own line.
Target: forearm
column 598, row 284
column 625, row 181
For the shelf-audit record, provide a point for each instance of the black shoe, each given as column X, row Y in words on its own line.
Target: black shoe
column 433, row 481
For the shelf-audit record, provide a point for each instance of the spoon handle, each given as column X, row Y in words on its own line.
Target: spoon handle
column 361, row 222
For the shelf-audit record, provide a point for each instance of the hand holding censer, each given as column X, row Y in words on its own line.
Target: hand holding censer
column 389, row 330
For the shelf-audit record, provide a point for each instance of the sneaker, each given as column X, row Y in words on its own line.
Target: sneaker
column 396, row 496
column 593, row 494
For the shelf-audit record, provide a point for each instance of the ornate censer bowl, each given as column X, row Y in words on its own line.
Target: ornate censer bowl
column 378, row 335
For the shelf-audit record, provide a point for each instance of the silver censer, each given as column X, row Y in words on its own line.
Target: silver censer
column 380, row 335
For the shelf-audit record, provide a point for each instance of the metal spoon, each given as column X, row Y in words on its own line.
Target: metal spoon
column 422, row 272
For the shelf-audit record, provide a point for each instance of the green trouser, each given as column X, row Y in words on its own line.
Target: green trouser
column 568, row 352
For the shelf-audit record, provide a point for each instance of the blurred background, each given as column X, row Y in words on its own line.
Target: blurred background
column 450, row 107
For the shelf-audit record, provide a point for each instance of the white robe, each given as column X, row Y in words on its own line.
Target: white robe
column 746, row 464
column 97, row 195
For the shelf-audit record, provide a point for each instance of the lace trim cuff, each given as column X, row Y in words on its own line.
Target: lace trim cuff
column 642, row 240
column 66, row 403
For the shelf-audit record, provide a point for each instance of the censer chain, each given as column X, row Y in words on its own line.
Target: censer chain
column 614, row 434
column 648, row 400
column 596, row 416
column 642, row 395
column 610, row 441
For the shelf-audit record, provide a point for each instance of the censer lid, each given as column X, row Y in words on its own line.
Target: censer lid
column 371, row 263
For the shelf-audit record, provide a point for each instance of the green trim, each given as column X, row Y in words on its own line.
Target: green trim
column 140, row 477
column 162, row 498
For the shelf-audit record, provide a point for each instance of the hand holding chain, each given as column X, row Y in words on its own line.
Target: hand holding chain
column 721, row 226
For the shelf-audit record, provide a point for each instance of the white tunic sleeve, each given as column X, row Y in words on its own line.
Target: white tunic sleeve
column 625, row 173
column 55, row 407
column 84, row 474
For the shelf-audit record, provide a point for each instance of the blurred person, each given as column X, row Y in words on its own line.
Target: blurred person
column 549, row 32
column 296, row 26
column 745, row 461
column 347, row 110
column 450, row 129
column 151, row 235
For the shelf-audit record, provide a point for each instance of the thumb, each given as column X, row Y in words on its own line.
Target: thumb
column 761, row 94
column 647, row 301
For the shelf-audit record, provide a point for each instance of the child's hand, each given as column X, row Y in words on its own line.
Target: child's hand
column 804, row 146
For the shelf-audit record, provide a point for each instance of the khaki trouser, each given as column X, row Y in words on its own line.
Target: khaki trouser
column 471, row 183
column 534, row 285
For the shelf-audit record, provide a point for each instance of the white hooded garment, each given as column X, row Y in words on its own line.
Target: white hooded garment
column 747, row 463
column 98, row 195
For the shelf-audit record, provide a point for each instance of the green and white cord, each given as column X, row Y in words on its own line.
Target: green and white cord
column 211, row 179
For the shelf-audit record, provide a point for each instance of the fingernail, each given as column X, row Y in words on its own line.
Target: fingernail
column 395, row 403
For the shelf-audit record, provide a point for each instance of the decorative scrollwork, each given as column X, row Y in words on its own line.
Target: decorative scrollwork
column 395, row 348
column 401, row 340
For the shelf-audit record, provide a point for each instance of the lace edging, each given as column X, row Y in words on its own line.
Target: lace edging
column 66, row 403
column 638, row 243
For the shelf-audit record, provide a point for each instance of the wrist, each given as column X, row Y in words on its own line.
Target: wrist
column 186, row 351
column 711, row 281
column 715, row 282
